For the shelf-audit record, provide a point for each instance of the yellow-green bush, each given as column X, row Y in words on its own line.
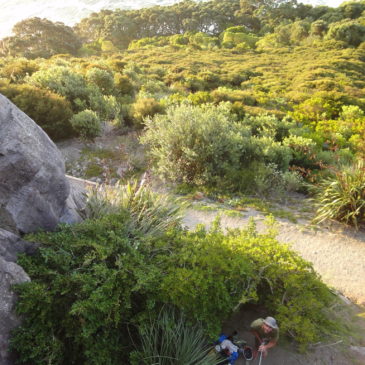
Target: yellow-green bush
column 50, row 111
column 144, row 107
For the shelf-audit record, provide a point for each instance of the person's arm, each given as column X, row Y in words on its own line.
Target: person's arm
column 269, row 345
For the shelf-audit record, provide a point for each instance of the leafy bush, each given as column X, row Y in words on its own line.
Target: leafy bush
column 19, row 68
column 49, row 110
column 303, row 150
column 94, row 283
column 226, row 94
column 202, row 145
column 196, row 145
column 321, row 106
column 102, row 79
column 123, row 85
column 351, row 32
column 61, row 80
column 237, row 36
column 86, row 124
column 144, row 107
column 342, row 196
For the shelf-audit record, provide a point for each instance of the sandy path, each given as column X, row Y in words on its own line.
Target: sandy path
column 337, row 254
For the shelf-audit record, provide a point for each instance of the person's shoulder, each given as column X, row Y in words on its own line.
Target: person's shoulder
column 257, row 323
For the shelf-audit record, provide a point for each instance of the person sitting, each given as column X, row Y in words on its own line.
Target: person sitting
column 266, row 332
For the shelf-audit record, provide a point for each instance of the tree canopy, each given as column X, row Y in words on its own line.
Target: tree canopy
column 36, row 37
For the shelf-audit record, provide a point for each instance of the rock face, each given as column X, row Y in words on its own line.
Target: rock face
column 34, row 194
column 10, row 274
column 11, row 245
column 33, row 186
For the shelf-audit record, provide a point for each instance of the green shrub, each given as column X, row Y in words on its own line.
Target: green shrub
column 123, row 85
column 19, row 68
column 94, row 283
column 226, row 94
column 349, row 31
column 266, row 125
column 342, row 196
column 196, row 145
column 238, row 36
column 63, row 81
column 321, row 106
column 303, row 150
column 102, row 79
column 50, row 111
column 202, row 145
column 200, row 97
column 144, row 107
column 86, row 124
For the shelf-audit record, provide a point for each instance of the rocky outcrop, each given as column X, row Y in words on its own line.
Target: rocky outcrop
column 11, row 245
column 34, row 194
column 10, row 274
column 33, row 186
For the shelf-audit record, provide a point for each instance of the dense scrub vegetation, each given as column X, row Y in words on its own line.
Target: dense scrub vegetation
column 251, row 97
column 95, row 283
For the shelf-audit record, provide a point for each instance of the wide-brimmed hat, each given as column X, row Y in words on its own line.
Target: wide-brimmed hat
column 271, row 322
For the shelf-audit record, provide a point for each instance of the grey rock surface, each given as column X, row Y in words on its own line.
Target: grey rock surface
column 10, row 274
column 33, row 186
column 11, row 245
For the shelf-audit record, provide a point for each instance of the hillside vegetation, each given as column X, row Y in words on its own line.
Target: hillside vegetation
column 230, row 97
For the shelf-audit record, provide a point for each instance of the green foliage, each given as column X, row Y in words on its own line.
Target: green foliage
column 194, row 144
column 203, row 145
column 102, row 79
column 227, row 94
column 239, row 36
column 321, row 106
column 49, row 110
column 36, row 37
column 151, row 213
column 303, row 149
column 349, row 31
column 86, row 124
column 123, row 85
column 61, row 80
column 170, row 340
column 17, row 69
column 342, row 196
column 94, row 283
column 144, row 107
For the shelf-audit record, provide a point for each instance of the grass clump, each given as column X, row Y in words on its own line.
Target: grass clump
column 342, row 196
column 170, row 339
column 150, row 213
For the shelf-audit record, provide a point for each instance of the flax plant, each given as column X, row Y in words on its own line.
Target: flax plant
column 150, row 213
column 171, row 340
column 342, row 196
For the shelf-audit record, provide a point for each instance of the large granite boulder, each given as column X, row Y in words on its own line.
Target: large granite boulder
column 33, row 186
